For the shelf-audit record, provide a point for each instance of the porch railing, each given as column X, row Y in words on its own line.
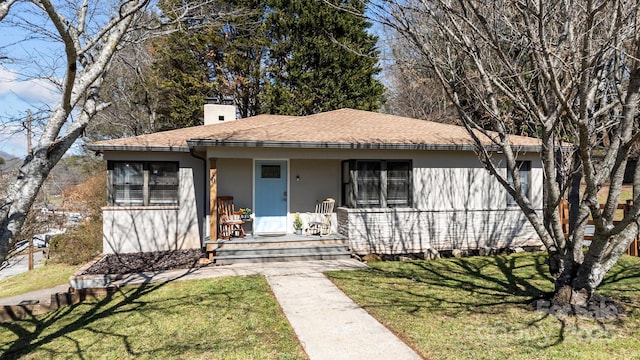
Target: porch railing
column 633, row 249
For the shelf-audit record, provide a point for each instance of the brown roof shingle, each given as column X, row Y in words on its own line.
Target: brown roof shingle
column 338, row 128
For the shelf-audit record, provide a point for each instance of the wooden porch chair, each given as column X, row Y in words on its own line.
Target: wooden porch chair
column 320, row 220
column 229, row 222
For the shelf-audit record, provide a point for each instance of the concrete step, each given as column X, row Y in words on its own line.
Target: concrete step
column 266, row 242
column 234, row 259
column 276, row 250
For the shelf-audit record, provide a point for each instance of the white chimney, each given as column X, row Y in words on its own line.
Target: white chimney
column 218, row 113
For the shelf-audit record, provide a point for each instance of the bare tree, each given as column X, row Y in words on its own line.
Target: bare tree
column 5, row 6
column 129, row 89
column 89, row 39
column 413, row 90
column 568, row 69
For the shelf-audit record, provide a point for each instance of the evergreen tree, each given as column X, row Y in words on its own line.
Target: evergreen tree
column 218, row 57
column 321, row 58
column 269, row 56
column 239, row 74
column 182, row 68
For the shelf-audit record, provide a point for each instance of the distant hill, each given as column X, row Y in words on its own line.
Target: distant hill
column 5, row 155
column 10, row 161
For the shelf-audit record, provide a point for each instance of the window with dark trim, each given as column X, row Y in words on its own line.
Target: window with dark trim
column 143, row 183
column 524, row 172
column 376, row 183
column 270, row 171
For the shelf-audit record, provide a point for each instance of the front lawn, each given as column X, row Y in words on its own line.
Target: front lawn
column 480, row 308
column 224, row 318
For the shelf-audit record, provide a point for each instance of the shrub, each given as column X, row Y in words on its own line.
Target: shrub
column 79, row 245
column 83, row 243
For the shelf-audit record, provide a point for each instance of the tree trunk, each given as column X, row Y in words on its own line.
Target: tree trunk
column 21, row 196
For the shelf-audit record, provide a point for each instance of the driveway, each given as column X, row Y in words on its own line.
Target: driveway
column 19, row 264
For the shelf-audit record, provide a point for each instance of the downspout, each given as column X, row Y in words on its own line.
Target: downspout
column 205, row 225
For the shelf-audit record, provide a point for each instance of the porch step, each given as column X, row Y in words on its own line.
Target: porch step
column 247, row 258
column 267, row 242
column 287, row 248
column 279, row 250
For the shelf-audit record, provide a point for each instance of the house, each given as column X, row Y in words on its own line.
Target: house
column 401, row 185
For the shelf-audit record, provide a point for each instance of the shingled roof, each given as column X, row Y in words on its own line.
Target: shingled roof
column 344, row 128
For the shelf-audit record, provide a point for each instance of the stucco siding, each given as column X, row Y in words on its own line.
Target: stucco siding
column 398, row 231
column 312, row 181
column 235, row 178
column 128, row 229
column 446, row 181
column 457, row 204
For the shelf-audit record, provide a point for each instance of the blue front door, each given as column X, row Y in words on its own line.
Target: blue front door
column 270, row 196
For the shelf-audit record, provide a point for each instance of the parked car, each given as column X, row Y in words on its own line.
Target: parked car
column 23, row 245
column 39, row 241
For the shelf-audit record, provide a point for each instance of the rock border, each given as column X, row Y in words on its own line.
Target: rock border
column 78, row 281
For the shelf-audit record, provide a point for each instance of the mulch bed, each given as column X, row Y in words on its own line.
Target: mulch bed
column 120, row 264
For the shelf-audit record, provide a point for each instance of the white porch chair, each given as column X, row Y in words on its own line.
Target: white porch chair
column 320, row 220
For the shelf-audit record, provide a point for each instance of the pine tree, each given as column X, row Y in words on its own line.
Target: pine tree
column 269, row 56
column 182, row 68
column 321, row 58
column 218, row 57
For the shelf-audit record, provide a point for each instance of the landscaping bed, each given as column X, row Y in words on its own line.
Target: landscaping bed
column 120, row 264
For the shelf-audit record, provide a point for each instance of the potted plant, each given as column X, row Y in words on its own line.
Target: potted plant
column 297, row 224
column 245, row 213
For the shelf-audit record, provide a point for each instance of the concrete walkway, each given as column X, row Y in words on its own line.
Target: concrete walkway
column 38, row 296
column 331, row 326
column 328, row 324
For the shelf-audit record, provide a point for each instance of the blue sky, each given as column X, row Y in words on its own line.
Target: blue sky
column 16, row 96
column 24, row 58
column 25, row 62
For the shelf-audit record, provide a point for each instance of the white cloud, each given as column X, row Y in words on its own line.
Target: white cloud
column 16, row 96
column 29, row 90
column 13, row 140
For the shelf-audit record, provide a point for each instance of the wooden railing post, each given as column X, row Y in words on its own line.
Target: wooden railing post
column 633, row 248
column 564, row 217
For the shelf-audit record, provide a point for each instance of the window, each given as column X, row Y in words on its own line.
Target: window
column 376, row 183
column 524, row 172
column 270, row 171
column 128, row 184
column 163, row 183
column 143, row 183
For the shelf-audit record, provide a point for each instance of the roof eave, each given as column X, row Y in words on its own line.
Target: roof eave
column 99, row 147
column 347, row 145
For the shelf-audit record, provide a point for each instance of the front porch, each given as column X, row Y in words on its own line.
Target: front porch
column 277, row 248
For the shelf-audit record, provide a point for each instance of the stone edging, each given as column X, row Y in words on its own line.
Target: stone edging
column 58, row 300
column 79, row 282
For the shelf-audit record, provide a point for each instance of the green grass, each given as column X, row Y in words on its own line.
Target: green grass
column 625, row 194
column 224, row 318
column 480, row 308
column 40, row 278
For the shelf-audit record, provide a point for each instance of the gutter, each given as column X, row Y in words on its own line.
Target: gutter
column 98, row 147
column 342, row 145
